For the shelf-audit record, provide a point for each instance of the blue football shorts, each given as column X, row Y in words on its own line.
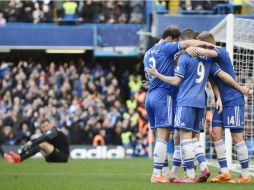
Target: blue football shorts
column 189, row 118
column 231, row 117
column 159, row 107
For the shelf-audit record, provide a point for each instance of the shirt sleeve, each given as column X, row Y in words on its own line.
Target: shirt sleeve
column 171, row 48
column 217, row 50
column 222, row 53
column 181, row 67
column 215, row 69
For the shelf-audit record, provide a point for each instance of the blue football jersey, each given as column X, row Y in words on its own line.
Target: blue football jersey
column 195, row 73
column 227, row 92
column 161, row 55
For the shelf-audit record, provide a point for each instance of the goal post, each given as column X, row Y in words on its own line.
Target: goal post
column 230, row 48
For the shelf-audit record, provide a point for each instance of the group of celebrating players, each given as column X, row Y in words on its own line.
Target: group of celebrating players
column 178, row 68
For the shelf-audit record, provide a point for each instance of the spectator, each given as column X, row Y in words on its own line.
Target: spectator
column 27, row 11
column 2, row 19
column 161, row 6
column 70, row 9
column 191, row 5
column 126, row 139
column 37, row 14
column 47, row 15
column 238, row 6
column 122, row 19
column 136, row 14
column 13, row 11
column 88, row 11
column 99, row 138
column 135, row 83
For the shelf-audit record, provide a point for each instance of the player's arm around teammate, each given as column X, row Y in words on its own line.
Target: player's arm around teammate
column 160, row 99
column 195, row 43
column 216, row 91
column 232, row 116
column 197, row 51
column 175, row 80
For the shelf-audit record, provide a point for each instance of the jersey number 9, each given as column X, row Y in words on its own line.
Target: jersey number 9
column 200, row 72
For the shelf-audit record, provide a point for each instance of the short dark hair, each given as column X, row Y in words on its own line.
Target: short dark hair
column 196, row 35
column 172, row 31
column 44, row 121
column 206, row 36
column 188, row 34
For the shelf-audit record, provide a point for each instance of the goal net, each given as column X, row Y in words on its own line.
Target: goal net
column 237, row 35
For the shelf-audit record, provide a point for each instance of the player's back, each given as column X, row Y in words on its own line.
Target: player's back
column 227, row 92
column 195, row 73
column 161, row 55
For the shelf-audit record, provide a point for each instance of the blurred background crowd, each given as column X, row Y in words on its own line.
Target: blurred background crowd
column 100, row 11
column 205, row 6
column 86, row 103
column 89, row 11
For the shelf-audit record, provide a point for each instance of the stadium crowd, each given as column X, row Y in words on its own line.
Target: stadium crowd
column 86, row 103
column 201, row 6
column 99, row 11
column 89, row 11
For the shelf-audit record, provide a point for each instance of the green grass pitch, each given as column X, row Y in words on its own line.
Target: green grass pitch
column 127, row 174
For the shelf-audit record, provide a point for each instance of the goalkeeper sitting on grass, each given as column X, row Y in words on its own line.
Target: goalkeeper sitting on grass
column 53, row 145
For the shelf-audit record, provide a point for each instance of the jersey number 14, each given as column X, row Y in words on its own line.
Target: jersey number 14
column 231, row 120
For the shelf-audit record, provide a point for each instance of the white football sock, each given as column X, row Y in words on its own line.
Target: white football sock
column 187, row 146
column 165, row 169
column 177, row 160
column 199, row 154
column 221, row 155
column 242, row 154
column 159, row 155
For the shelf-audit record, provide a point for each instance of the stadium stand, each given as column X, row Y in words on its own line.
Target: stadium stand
column 112, row 12
column 84, row 102
column 94, row 119
column 121, row 12
column 204, row 7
